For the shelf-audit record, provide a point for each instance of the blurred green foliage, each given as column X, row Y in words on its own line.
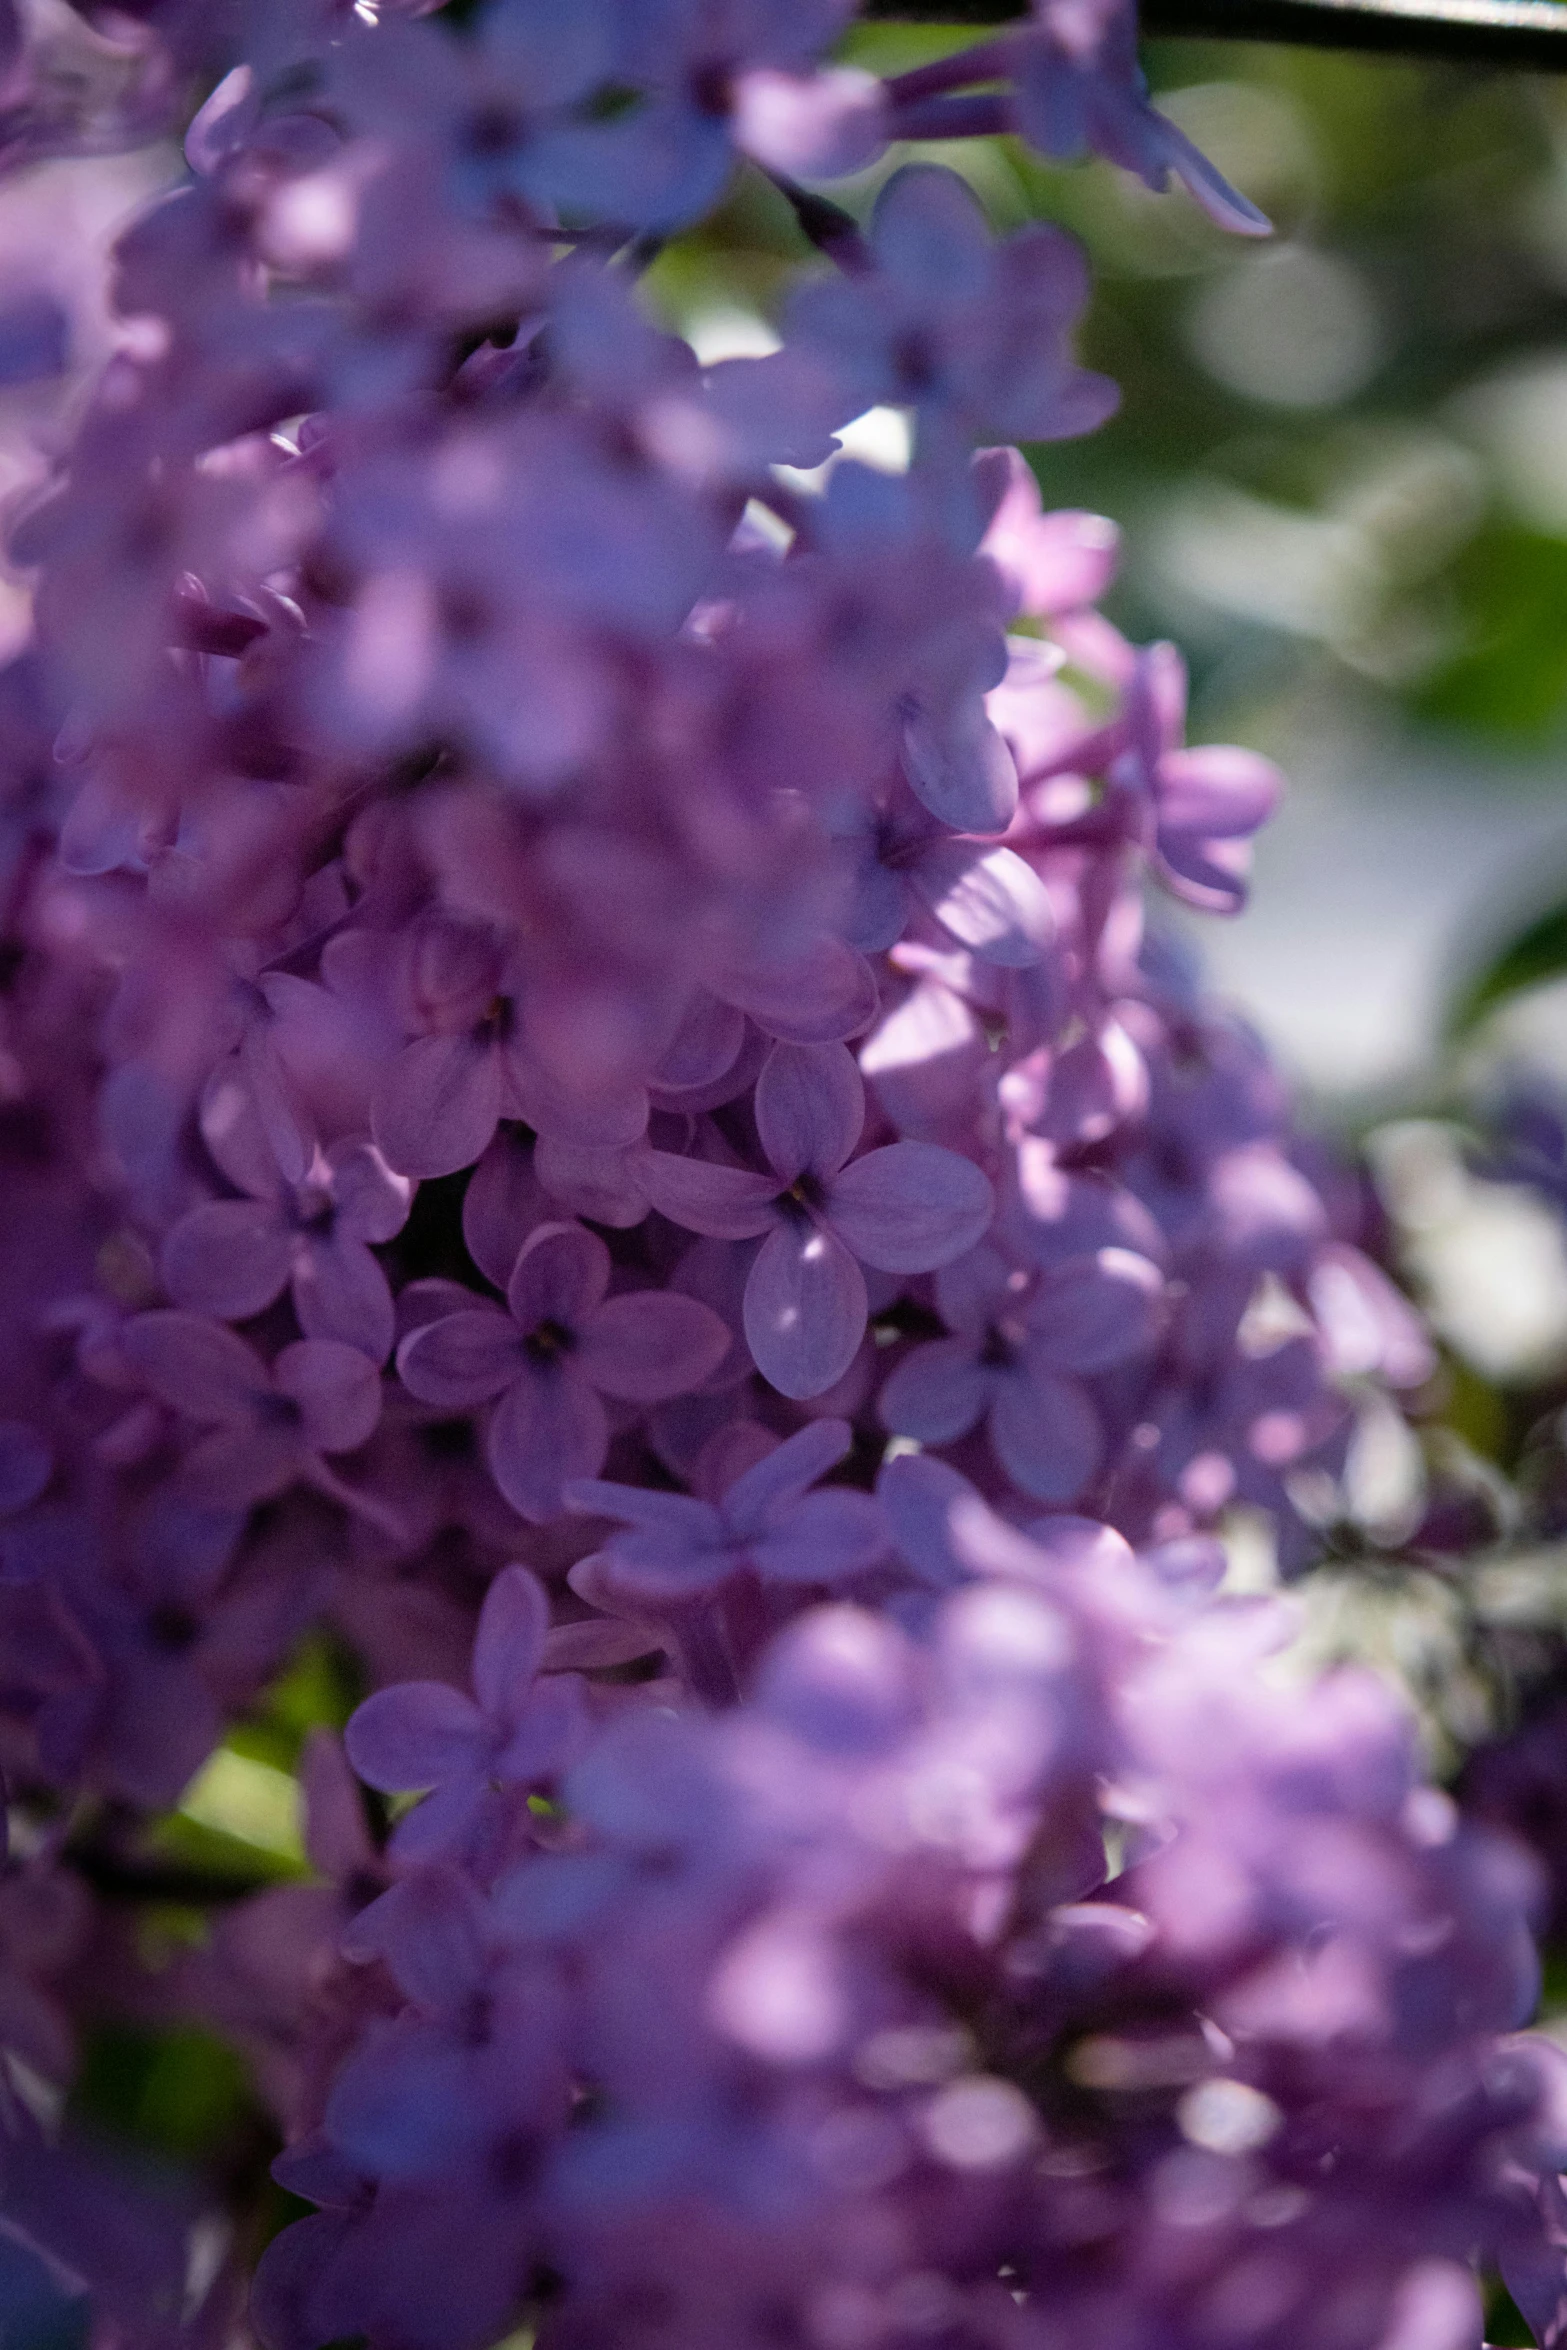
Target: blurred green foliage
column 1342, row 450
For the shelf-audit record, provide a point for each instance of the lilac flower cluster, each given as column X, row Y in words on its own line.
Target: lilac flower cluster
column 586, row 1103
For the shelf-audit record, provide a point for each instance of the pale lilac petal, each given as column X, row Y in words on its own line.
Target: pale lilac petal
column 826, row 1537
column 990, row 901
column 825, row 997
column 916, row 1495
column 501, row 1206
column 1218, row 791
column 1047, row 1436
column 547, row 1430
column 961, row 769
column 787, row 1472
column 371, row 1202
column 198, row 1366
column 414, row 1736
column 509, row 1642
column 337, row 1389
column 925, row 1058
column 230, row 1258
column 559, row 1277
column 649, row 1346
column 442, row 1824
column 726, row 1203
column 810, row 1108
column 1094, row 1312
column 1209, row 874
column 910, row 1207
column 937, row 1392
column 436, row 1107
column 821, row 125
column 805, row 1310
column 462, row 1359
column 341, row 1292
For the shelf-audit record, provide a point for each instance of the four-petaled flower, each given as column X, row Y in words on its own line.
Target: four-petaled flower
column 905, row 1208
column 232, row 1258
column 1017, row 1341
column 269, row 1426
column 563, row 1345
column 471, row 1757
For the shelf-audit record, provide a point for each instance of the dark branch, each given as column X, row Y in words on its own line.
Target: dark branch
column 1505, row 34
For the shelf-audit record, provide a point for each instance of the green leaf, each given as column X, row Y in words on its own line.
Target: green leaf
column 1535, row 954
column 184, row 2094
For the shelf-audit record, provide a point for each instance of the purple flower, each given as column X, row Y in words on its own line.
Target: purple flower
column 905, row 1208
column 983, row 896
column 269, row 1426
column 969, row 333
column 768, row 1523
column 561, row 1347
column 231, row 1258
column 1017, row 1341
column 468, row 1065
column 1202, row 806
column 1078, row 86
column 468, row 1755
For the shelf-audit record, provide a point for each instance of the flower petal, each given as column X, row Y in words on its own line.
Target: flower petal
column 371, row 1202
column 462, row 1359
column 501, row 1205
column 961, row 769
column 1095, row 1311
column 414, row 1736
column 937, row 1392
column 910, row 1207
column 988, row 899
column 1046, row 1436
column 726, row 1203
column 824, row 1538
column 341, row 1292
column 548, row 1429
column 337, row 1389
column 916, row 1494
column 777, row 1482
column 230, row 1258
column 509, row 1642
column 805, row 1310
column 436, row 1107
column 198, row 1366
column 822, row 998
column 560, row 1275
column 810, row 1108
column 651, row 1345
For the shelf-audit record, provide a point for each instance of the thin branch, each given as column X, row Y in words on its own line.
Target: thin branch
column 1508, row 35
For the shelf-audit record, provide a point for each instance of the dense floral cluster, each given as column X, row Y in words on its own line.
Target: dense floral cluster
column 582, row 1085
